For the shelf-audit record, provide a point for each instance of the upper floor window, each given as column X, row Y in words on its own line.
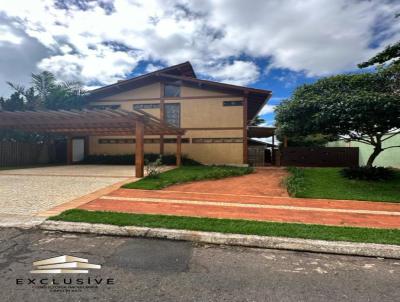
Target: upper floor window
column 146, row 106
column 102, row 107
column 172, row 90
column 233, row 103
column 172, row 114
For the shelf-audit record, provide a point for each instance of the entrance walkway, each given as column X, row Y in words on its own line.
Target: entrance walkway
column 258, row 196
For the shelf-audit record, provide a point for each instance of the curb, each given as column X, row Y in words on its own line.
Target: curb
column 295, row 244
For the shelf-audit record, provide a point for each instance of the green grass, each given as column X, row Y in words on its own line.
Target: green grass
column 328, row 183
column 186, row 174
column 292, row 230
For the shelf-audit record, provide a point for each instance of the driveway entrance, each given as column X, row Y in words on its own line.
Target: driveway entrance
column 24, row 193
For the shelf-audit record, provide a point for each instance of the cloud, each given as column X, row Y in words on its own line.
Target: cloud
column 99, row 42
column 267, row 109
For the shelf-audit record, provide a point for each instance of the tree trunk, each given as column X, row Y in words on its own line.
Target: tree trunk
column 374, row 155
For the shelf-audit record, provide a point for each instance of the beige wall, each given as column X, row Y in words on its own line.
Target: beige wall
column 195, row 113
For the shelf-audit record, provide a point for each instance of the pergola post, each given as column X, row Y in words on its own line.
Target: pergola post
column 139, row 149
column 179, row 150
column 69, row 150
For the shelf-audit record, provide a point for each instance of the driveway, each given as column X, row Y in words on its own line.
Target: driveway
column 258, row 196
column 25, row 193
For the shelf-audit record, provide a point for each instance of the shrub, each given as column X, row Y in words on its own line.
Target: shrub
column 129, row 159
column 295, row 181
column 153, row 169
column 368, row 173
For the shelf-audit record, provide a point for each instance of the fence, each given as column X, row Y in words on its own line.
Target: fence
column 20, row 154
column 319, row 156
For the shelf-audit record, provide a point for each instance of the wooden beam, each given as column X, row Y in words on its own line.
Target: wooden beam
column 69, row 150
column 285, row 141
column 139, row 150
column 245, row 150
column 179, row 150
column 162, row 115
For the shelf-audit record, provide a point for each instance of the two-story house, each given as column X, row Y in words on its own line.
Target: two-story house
column 215, row 116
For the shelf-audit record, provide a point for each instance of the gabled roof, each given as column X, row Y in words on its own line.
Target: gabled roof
column 184, row 69
column 184, row 73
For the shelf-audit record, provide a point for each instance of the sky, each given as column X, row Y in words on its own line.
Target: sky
column 269, row 44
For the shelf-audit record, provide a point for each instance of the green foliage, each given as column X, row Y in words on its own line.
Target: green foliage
column 329, row 183
column 257, row 121
column 153, row 169
column 188, row 174
column 129, row 159
column 391, row 52
column 47, row 93
column 14, row 103
column 295, row 181
column 368, row 173
column 235, row 226
column 358, row 107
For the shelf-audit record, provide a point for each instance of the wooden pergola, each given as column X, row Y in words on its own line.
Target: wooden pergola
column 79, row 123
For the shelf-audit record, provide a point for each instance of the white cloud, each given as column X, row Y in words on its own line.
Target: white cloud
column 267, row 109
column 222, row 38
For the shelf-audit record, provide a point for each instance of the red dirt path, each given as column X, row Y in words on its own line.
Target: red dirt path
column 257, row 196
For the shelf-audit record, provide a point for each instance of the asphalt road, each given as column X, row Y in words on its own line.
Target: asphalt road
column 161, row 270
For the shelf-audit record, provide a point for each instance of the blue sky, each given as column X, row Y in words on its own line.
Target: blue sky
column 275, row 44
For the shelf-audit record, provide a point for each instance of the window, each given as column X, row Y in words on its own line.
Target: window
column 116, row 141
column 172, row 114
column 233, row 103
column 172, row 90
column 173, row 140
column 214, row 140
column 146, row 106
column 102, row 107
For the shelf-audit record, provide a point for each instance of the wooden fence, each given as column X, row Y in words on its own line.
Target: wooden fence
column 20, row 154
column 319, row 156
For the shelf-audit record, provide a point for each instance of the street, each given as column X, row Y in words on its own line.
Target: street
column 161, row 270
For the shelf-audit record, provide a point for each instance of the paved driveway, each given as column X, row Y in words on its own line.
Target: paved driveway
column 26, row 192
column 257, row 196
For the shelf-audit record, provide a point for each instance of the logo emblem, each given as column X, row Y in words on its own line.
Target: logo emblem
column 64, row 265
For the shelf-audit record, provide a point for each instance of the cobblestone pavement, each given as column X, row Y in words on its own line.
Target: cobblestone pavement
column 26, row 192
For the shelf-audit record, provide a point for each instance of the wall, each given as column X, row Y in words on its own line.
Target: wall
column 388, row 158
column 203, row 117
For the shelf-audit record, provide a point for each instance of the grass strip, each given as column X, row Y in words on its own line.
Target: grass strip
column 247, row 227
column 187, row 174
column 330, row 184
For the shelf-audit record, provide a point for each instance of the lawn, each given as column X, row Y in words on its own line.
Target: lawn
column 292, row 230
column 186, row 174
column 328, row 183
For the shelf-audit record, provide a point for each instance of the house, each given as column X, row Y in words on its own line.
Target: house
column 388, row 158
column 214, row 116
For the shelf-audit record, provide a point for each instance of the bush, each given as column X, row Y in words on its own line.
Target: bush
column 129, row 159
column 153, row 169
column 368, row 173
column 295, row 181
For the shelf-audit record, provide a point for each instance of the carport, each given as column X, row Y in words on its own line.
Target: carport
column 86, row 122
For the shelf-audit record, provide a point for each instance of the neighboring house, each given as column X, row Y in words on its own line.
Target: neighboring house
column 388, row 158
column 214, row 115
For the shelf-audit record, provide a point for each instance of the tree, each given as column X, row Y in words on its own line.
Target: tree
column 392, row 52
column 258, row 120
column 48, row 93
column 355, row 107
column 14, row 103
